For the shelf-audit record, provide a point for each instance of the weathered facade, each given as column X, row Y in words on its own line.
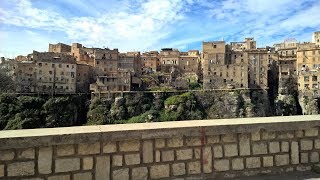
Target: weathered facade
column 84, row 77
column 82, row 54
column 150, row 62
column 24, row 75
column 56, row 72
column 59, row 48
column 316, row 38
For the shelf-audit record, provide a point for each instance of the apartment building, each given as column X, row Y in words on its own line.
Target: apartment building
column 82, row 54
column 308, row 67
column 130, row 61
column 150, row 62
column 55, row 72
column 24, row 76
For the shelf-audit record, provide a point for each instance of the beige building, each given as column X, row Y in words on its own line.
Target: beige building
column 82, row 54
column 150, row 62
column 239, row 64
column 316, row 38
column 84, row 78
column 287, row 52
column 308, row 67
column 24, row 75
column 59, row 48
column 130, row 61
column 106, row 62
column 56, row 72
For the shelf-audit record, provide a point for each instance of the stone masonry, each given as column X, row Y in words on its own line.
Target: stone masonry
column 193, row 149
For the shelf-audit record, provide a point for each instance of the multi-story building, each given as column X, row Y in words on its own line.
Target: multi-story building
column 189, row 61
column 55, row 72
column 130, row 61
column 84, row 78
column 239, row 64
column 316, row 38
column 308, row 67
column 82, row 54
column 287, row 52
column 106, row 62
column 24, row 76
column 150, row 62
column 59, row 48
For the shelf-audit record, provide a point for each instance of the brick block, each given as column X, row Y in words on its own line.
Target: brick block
column 213, row 139
column 311, row 132
column 178, row 169
column 65, row 150
column 229, row 138
column 259, row 148
column 255, row 136
column 67, row 165
column 21, row 168
column 102, row 168
column 197, row 153
column 268, row 135
column 253, row 162
column 286, row 135
column 121, row 174
column 268, row 161
column 193, row 141
column 127, row 146
column 207, row 160
column 237, row 164
column 140, row 173
column 282, row 160
column 274, row 147
column 175, row 142
column 1, row 170
column 83, row 176
column 59, row 177
column 314, row 157
column 109, row 147
column 244, row 145
column 284, row 146
column 184, row 154
column 298, row 133
column 158, row 156
column 89, row 148
column 132, row 159
column 117, row 160
column 147, row 153
column 317, row 143
column 304, row 157
column 217, row 151
column 160, row 143
column 306, row 144
column 167, row 155
column 230, row 150
column 221, row 165
column 194, row 167
column 45, row 160
column 26, row 153
column 159, row 171
column 87, row 163
column 294, row 152
column 6, row 155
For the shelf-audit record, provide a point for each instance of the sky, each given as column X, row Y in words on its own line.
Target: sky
column 144, row 25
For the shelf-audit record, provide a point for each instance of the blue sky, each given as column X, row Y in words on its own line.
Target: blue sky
column 143, row 25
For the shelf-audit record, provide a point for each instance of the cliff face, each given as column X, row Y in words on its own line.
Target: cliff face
column 144, row 107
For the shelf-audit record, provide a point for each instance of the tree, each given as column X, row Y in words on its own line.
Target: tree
column 6, row 83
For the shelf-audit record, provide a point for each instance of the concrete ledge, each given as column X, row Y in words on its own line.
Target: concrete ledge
column 74, row 135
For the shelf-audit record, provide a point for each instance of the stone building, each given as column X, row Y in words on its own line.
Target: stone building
column 55, row 72
column 82, row 54
column 150, row 62
column 239, row 64
column 24, row 76
column 308, row 67
column 59, row 48
column 84, row 77
column 130, row 61
column 106, row 62
column 287, row 52
column 107, row 84
column 316, row 38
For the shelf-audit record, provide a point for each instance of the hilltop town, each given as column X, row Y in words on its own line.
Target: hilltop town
column 289, row 68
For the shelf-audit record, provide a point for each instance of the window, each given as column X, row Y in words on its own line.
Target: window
column 214, row 46
column 52, row 65
column 306, row 79
column 40, row 72
column 50, row 72
column 40, row 64
column 60, row 65
column 67, row 66
column 314, row 78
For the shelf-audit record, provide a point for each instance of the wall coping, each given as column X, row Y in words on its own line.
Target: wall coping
column 84, row 134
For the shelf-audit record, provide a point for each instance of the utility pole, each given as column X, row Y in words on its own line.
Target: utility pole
column 54, row 82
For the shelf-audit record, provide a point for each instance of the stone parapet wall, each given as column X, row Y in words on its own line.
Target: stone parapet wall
column 171, row 150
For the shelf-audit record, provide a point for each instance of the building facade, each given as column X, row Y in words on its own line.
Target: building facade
column 59, row 48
